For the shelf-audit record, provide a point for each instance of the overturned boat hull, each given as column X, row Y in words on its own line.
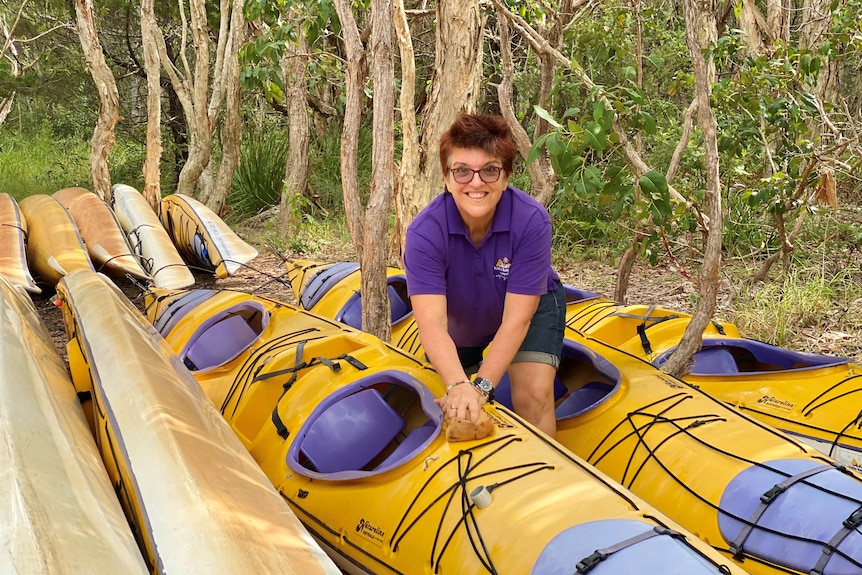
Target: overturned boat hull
column 198, row 501
column 60, row 513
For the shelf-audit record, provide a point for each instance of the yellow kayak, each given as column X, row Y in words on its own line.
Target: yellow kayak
column 346, row 429
column 54, row 247
column 105, row 239
column 197, row 500
column 816, row 398
column 333, row 291
column 13, row 245
column 703, row 463
column 59, row 512
column 202, row 237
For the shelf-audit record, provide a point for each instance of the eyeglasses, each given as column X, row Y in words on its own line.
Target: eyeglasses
column 488, row 174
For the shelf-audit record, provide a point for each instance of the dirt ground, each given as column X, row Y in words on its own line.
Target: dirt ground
column 661, row 286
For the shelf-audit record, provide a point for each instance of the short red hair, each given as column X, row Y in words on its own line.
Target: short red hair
column 487, row 132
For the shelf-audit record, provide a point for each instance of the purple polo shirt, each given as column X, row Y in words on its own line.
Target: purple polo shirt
column 515, row 257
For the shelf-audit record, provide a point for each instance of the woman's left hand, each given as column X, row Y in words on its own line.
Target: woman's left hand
column 462, row 401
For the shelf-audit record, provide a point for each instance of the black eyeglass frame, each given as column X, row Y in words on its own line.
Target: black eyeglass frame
column 496, row 170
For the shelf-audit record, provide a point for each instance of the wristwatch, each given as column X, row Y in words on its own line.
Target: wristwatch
column 484, row 386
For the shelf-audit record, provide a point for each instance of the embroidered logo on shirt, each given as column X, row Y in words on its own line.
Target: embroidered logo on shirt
column 501, row 269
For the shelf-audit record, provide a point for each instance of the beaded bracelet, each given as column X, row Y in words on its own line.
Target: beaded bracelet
column 457, row 383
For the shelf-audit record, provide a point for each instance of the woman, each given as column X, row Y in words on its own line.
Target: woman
column 478, row 262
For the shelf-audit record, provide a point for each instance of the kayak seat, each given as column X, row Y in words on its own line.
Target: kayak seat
column 351, row 313
column 410, row 444
column 714, row 361
column 351, row 432
column 219, row 343
column 503, row 391
column 583, row 399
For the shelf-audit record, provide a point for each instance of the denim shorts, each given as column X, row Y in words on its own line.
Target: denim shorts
column 544, row 340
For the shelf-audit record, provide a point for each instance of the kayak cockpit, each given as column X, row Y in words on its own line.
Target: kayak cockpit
column 224, row 335
column 728, row 356
column 399, row 303
column 585, row 380
column 368, row 427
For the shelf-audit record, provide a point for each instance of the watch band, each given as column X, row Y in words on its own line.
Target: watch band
column 483, row 386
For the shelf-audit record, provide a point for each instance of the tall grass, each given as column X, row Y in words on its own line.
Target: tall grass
column 818, row 299
column 41, row 163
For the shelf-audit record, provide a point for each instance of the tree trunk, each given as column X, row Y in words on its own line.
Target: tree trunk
column 152, row 163
column 295, row 65
column 354, row 83
column 192, row 87
column 109, row 101
column 778, row 19
column 409, row 168
column 542, row 178
column 754, row 27
column 454, row 88
column 200, row 127
column 543, row 181
column 700, row 34
column 231, row 132
column 375, row 303
column 815, row 28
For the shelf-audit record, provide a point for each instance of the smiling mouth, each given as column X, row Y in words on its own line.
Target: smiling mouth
column 477, row 195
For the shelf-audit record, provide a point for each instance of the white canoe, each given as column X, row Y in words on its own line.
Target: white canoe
column 59, row 512
column 13, row 245
column 103, row 236
column 200, row 502
column 202, row 237
column 149, row 240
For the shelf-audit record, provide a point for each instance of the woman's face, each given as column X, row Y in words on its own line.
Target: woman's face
column 476, row 199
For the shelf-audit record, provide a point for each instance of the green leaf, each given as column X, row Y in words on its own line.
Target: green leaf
column 545, row 115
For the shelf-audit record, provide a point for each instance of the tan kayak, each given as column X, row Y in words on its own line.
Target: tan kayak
column 59, row 512
column 149, row 240
column 13, row 245
column 198, row 500
column 105, row 240
column 54, row 247
column 202, row 237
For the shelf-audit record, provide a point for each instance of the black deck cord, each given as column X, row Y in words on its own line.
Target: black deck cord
column 332, row 364
column 588, row 563
column 469, row 510
column 718, row 509
column 810, row 407
column 848, row 526
column 255, row 362
column 20, row 229
column 737, row 546
column 592, row 310
column 505, row 440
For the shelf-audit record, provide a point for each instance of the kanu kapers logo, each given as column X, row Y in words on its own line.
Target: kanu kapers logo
column 370, row 531
column 501, row 269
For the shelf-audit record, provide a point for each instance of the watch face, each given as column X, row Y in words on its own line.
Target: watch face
column 483, row 384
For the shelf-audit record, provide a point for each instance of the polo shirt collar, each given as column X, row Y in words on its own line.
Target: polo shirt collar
column 502, row 217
